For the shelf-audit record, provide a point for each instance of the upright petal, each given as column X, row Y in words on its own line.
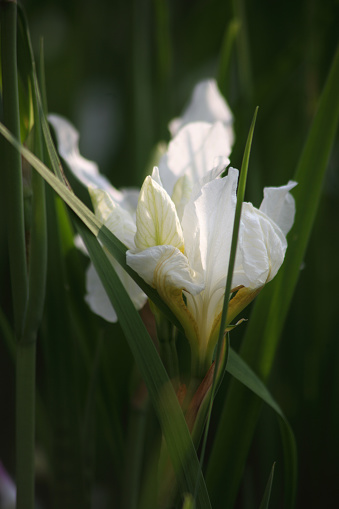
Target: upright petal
column 279, row 205
column 207, row 105
column 207, row 227
column 156, row 220
column 208, row 219
column 181, row 194
column 197, row 148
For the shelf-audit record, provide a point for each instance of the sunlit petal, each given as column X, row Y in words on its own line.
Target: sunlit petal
column 197, row 148
column 261, row 249
column 117, row 219
column 166, row 269
column 279, row 205
column 207, row 105
column 156, row 220
column 181, row 194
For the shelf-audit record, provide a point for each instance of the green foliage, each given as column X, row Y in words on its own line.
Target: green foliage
column 270, row 310
column 142, row 60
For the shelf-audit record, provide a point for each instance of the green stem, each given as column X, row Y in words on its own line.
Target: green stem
column 25, row 424
column 12, row 166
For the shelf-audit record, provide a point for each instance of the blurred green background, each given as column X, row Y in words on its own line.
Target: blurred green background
column 120, row 71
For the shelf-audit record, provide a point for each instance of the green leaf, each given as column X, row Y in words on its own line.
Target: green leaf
column 179, row 443
column 270, row 311
column 238, row 368
column 236, row 226
column 108, row 239
column 230, row 35
column 164, row 400
column 267, row 495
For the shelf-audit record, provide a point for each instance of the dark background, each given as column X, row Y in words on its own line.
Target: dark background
column 121, row 70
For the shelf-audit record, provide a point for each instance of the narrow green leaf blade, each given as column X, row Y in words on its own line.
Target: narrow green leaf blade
column 274, row 302
column 179, row 443
column 238, row 368
column 267, row 495
column 110, row 241
column 236, row 226
column 270, row 311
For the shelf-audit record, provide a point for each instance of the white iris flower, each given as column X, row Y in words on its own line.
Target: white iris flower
column 187, row 260
column 202, row 141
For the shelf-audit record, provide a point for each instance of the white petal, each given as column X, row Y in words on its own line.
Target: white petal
column 208, row 224
column 197, row 148
column 79, row 244
column 85, row 170
column 261, row 249
column 7, row 490
column 207, row 227
column 117, row 219
column 208, row 105
column 156, row 219
column 156, row 176
column 127, row 197
column 181, row 194
column 68, row 146
column 165, row 268
column 97, row 298
column 279, row 205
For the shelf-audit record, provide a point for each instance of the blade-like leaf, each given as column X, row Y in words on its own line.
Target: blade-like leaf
column 174, row 427
column 173, row 424
column 110, row 241
column 236, row 225
column 270, row 311
column 244, row 374
column 267, row 495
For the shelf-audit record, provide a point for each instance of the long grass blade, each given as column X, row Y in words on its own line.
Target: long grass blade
column 11, row 166
column 236, row 225
column 267, row 495
column 270, row 311
column 111, row 242
column 161, row 392
column 164, row 400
